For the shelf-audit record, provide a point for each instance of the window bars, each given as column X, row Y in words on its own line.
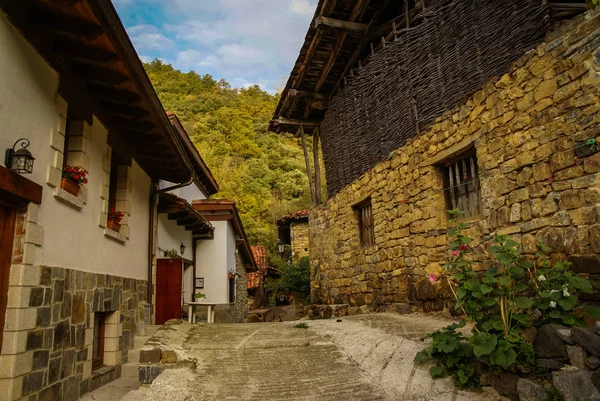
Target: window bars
column 461, row 181
column 365, row 223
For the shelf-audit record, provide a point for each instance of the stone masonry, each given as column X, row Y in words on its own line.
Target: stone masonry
column 300, row 239
column 539, row 182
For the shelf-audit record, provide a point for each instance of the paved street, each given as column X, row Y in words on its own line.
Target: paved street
column 360, row 358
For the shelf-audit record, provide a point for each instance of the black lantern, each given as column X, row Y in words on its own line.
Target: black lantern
column 182, row 248
column 20, row 161
column 281, row 247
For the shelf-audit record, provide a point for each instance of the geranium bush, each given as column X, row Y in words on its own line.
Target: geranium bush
column 76, row 174
column 115, row 216
column 512, row 294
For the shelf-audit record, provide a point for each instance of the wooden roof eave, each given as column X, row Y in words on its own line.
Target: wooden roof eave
column 185, row 215
column 85, row 42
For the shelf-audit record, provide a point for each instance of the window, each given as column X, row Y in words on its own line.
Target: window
column 461, row 184
column 98, row 347
column 66, row 144
column 114, row 178
column 364, row 211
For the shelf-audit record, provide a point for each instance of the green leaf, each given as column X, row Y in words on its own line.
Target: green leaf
column 567, row 303
column 490, row 302
column 503, row 357
column 436, row 371
column 461, row 292
column 483, row 343
column 486, row 289
column 459, row 304
column 505, row 281
column 593, row 312
column 517, row 272
column 523, row 302
column 520, row 287
column 422, row 355
column 568, row 319
column 554, row 314
column 513, row 336
column 524, row 319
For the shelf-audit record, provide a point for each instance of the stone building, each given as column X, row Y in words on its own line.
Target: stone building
column 293, row 231
column 491, row 107
column 75, row 288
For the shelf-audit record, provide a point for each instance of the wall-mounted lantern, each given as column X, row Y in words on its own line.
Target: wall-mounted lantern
column 281, row 247
column 182, row 248
column 21, row 160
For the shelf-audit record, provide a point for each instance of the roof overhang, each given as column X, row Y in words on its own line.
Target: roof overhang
column 185, row 215
column 343, row 36
column 226, row 210
column 205, row 177
column 102, row 75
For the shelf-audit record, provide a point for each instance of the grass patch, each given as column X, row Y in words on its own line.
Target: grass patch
column 302, row 325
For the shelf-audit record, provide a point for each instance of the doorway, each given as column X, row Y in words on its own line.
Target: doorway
column 7, row 231
column 168, row 289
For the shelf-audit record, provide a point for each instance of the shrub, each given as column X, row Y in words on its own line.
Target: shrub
column 512, row 294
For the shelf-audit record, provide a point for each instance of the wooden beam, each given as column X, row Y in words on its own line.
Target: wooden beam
column 218, row 217
column 63, row 23
column 134, row 125
column 122, row 110
column 306, row 94
column 317, row 166
column 347, row 26
column 359, row 9
column 93, row 73
column 80, row 51
column 121, row 96
column 321, row 105
column 307, row 162
column 178, row 215
column 291, row 121
column 18, row 188
column 186, row 221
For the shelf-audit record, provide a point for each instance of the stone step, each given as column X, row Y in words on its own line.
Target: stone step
column 150, row 329
column 133, row 356
column 130, row 369
column 136, row 395
column 139, row 342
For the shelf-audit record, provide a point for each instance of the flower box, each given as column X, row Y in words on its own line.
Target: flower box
column 113, row 225
column 69, row 186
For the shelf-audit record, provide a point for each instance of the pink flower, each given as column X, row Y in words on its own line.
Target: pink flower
column 433, row 278
column 454, row 253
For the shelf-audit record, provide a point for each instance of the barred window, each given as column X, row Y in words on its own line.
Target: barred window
column 461, row 184
column 366, row 230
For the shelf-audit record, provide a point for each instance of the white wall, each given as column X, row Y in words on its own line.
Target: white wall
column 211, row 263
column 71, row 238
column 171, row 236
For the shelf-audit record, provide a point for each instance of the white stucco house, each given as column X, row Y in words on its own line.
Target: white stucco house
column 213, row 253
column 75, row 287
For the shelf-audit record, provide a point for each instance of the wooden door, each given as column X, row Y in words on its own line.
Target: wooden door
column 168, row 289
column 7, row 231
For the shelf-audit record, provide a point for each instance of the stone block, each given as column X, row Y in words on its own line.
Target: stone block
column 589, row 264
column 151, row 355
column 528, row 390
column 548, row 344
column 575, row 385
column 148, row 373
column 587, row 339
column 169, row 357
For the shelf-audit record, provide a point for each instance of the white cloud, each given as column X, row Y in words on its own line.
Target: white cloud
column 303, row 6
column 148, row 37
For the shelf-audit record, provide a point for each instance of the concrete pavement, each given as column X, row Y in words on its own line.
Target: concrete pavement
column 368, row 357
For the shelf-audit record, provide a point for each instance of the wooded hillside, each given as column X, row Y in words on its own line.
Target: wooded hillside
column 262, row 171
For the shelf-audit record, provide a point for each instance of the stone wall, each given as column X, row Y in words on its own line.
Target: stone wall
column 241, row 290
column 525, row 127
column 51, row 359
column 300, row 238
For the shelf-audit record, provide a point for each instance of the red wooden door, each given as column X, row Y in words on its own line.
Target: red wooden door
column 168, row 289
column 7, row 231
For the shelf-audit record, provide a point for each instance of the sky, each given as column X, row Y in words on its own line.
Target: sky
column 246, row 42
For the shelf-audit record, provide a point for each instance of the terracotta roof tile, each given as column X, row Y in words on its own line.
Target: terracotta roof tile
column 260, row 256
column 299, row 215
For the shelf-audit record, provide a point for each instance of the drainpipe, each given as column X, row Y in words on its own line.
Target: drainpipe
column 152, row 236
column 194, row 243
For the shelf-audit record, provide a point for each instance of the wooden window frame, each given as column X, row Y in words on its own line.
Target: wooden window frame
column 99, row 320
column 462, row 189
column 366, row 225
column 112, row 183
column 66, row 144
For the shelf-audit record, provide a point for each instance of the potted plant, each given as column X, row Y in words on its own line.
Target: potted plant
column 114, row 220
column 199, row 296
column 73, row 178
column 171, row 254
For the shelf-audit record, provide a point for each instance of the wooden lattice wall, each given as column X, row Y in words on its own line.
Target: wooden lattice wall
column 429, row 68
